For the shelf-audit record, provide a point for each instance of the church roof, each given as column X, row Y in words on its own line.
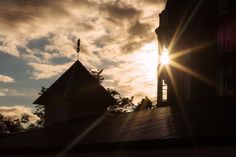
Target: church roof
column 76, row 84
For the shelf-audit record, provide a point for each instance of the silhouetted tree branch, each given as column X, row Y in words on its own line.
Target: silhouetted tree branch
column 97, row 74
column 40, row 109
column 10, row 126
column 144, row 104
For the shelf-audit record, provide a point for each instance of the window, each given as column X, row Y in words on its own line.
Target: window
column 229, row 81
column 224, row 7
column 228, row 39
column 220, row 40
column 187, row 87
column 224, row 40
column 225, row 81
column 220, row 82
column 164, row 91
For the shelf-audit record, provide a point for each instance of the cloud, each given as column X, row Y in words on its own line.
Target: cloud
column 42, row 32
column 44, row 71
column 119, row 11
column 2, row 93
column 6, row 79
column 16, row 112
column 135, row 77
column 139, row 29
column 10, row 92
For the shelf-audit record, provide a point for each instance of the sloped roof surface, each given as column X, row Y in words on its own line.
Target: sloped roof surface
column 197, row 126
column 77, row 84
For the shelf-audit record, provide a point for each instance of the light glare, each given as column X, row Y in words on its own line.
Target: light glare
column 164, row 58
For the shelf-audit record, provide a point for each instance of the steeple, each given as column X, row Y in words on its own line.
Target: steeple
column 75, row 94
column 78, row 48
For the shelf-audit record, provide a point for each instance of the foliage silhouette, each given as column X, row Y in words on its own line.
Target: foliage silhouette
column 40, row 109
column 124, row 104
column 11, row 126
column 97, row 74
column 144, row 104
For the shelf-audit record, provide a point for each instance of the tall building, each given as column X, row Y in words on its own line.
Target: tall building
column 200, row 37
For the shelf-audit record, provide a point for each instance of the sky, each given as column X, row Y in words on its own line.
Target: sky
column 38, row 43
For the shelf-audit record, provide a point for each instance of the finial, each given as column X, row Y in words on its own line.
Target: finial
column 78, row 48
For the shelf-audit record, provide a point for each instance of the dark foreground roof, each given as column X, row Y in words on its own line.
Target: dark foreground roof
column 76, row 84
column 160, row 128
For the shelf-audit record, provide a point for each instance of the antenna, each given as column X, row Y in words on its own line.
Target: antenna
column 78, row 48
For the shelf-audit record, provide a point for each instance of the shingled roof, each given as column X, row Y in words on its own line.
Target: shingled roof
column 76, row 84
column 154, row 131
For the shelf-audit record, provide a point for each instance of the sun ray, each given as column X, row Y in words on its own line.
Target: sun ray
column 188, row 51
column 160, row 68
column 180, row 102
column 191, row 72
column 182, row 26
column 80, row 136
column 172, row 80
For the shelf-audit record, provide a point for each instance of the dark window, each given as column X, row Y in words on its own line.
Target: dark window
column 224, row 40
column 228, row 39
column 220, row 82
column 229, row 81
column 225, row 81
column 187, row 87
column 220, row 40
column 223, row 7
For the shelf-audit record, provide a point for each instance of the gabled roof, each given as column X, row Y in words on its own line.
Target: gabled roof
column 76, row 84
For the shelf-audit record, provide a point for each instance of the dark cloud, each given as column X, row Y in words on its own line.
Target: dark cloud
column 139, row 29
column 59, row 60
column 155, row 2
column 83, row 26
column 107, row 63
column 14, row 12
column 139, row 34
column 120, row 11
column 22, row 50
column 131, row 46
column 102, row 41
column 38, row 44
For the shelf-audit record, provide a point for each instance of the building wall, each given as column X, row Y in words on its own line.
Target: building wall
column 70, row 109
column 210, row 34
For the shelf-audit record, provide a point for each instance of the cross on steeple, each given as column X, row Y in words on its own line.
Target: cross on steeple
column 78, row 48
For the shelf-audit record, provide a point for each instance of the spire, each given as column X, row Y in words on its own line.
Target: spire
column 78, row 48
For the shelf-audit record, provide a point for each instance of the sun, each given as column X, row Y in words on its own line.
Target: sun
column 147, row 60
column 164, row 57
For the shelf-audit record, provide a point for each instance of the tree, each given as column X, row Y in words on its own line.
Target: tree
column 43, row 89
column 144, row 104
column 40, row 109
column 97, row 74
column 113, row 93
column 124, row 104
column 10, row 126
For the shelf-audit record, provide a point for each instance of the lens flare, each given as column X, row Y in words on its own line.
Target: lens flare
column 164, row 58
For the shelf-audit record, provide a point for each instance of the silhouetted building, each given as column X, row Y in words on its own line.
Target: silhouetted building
column 76, row 94
column 204, row 31
column 162, row 131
